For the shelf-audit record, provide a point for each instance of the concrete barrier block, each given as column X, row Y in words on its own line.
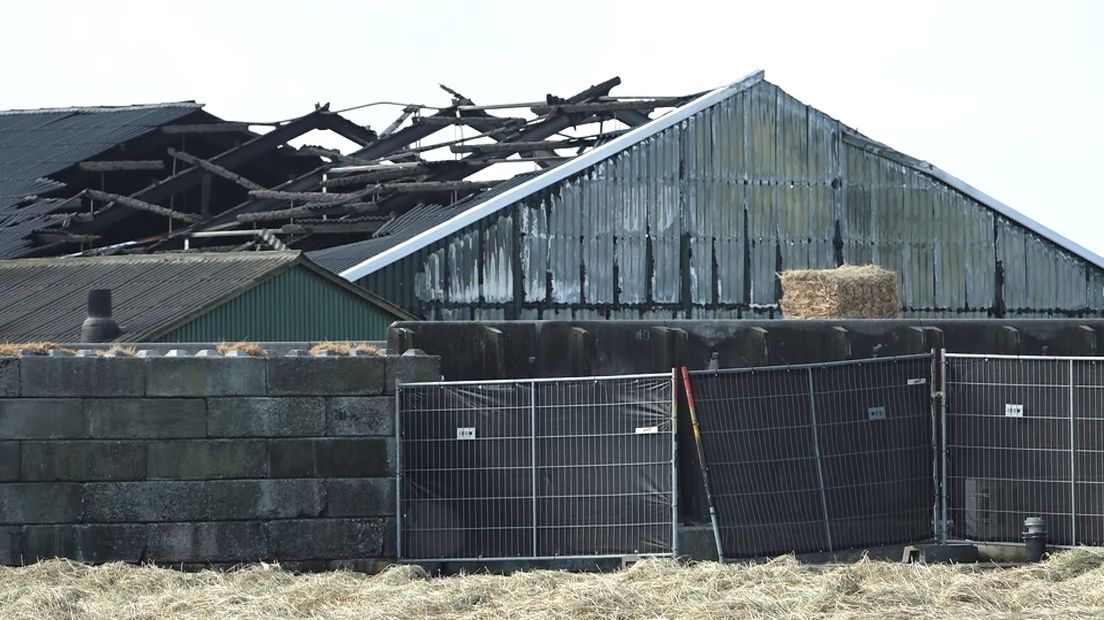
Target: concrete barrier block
column 82, row 376
column 325, row 376
column 326, row 539
column 206, row 376
column 411, row 369
column 102, row 542
column 11, row 546
column 36, row 502
column 292, row 458
column 9, row 377
column 360, row 415
column 362, row 457
column 236, row 541
column 46, row 542
column 42, row 418
column 266, row 417
column 360, row 497
column 83, row 460
column 139, row 502
column 9, row 461
column 265, row 499
column 192, row 459
column 126, row 418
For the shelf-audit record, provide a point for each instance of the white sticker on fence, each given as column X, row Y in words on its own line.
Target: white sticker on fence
column 1013, row 411
column 920, row 381
column 876, row 413
column 465, row 432
column 647, row 430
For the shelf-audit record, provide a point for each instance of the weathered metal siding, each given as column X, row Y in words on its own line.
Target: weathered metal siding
column 296, row 305
column 697, row 220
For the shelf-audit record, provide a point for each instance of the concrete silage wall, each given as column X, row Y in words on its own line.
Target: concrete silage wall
column 201, row 460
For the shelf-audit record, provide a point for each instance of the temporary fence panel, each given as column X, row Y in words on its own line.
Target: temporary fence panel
column 1024, row 437
column 819, row 457
column 545, row 468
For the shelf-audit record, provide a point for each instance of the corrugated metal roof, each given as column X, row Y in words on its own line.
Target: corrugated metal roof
column 35, row 144
column 46, row 298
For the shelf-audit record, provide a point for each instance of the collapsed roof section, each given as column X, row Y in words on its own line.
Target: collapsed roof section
column 164, row 177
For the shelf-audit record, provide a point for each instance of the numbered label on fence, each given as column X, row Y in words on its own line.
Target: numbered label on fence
column 876, row 413
column 465, row 432
column 647, row 430
column 1013, row 411
column 918, row 381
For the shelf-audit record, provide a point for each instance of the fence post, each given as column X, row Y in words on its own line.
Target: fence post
column 943, row 443
column 398, row 473
column 1073, row 461
column 820, row 469
column 533, row 457
column 933, row 390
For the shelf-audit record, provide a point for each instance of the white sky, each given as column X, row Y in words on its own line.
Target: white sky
column 1008, row 96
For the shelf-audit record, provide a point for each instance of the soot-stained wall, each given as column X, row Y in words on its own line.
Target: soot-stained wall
column 200, row 461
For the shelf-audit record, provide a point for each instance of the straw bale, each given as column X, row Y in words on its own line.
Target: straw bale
column 847, row 292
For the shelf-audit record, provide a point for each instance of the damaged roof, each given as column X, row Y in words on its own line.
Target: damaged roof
column 46, row 298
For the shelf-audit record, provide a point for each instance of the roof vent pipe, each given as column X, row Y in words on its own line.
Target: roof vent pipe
column 99, row 326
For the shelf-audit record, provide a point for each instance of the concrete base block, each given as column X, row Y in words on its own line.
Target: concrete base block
column 46, row 542
column 360, row 415
column 42, row 418
column 368, row 457
column 9, row 461
column 9, row 377
column 227, row 541
column 36, row 502
column 111, row 543
column 126, row 418
column 362, row 497
column 266, row 417
column 411, row 369
column 206, row 376
column 265, row 499
column 82, row 376
column 139, row 502
column 11, row 546
column 325, row 376
column 292, row 458
column 212, row 459
column 697, row 542
column 327, row 539
column 83, row 461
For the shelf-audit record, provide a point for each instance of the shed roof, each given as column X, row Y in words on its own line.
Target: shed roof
column 45, row 298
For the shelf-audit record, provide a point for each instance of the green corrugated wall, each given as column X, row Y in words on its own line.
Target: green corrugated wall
column 296, row 305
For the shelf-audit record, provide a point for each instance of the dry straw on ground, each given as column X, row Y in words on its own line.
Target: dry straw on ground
column 248, row 348
column 1069, row 585
column 847, row 292
column 38, row 348
column 344, row 348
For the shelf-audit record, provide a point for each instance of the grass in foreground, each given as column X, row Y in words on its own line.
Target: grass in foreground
column 1070, row 584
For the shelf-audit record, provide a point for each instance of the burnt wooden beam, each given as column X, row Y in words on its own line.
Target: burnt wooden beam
column 214, row 169
column 225, row 127
column 632, row 118
column 433, row 186
column 303, row 211
column 608, row 106
column 333, row 154
column 371, row 177
column 121, row 165
column 537, row 145
column 485, row 121
column 69, row 217
column 346, row 128
column 335, row 227
column 275, row 194
column 46, row 235
column 141, row 205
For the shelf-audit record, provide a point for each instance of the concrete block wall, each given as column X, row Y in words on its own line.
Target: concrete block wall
column 198, row 460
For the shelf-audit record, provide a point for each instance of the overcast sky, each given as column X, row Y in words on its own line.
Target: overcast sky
column 1007, row 96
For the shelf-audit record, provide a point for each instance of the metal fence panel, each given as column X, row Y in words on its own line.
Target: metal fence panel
column 1023, row 439
column 575, row 467
column 819, row 457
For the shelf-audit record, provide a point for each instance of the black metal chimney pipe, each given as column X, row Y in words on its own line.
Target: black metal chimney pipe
column 99, row 326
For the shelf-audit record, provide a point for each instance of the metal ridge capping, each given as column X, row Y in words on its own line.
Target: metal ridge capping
column 553, row 175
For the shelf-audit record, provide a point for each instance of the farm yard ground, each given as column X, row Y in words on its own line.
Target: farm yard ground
column 1069, row 584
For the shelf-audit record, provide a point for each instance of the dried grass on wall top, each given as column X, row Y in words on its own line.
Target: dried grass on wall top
column 847, row 292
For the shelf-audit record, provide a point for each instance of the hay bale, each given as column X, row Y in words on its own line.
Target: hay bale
column 848, row 292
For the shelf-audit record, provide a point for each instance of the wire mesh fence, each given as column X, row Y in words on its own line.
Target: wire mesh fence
column 1024, row 437
column 819, row 457
column 528, row 469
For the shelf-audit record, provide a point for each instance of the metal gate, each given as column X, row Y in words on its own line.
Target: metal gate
column 818, row 457
column 1023, row 437
column 535, row 469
